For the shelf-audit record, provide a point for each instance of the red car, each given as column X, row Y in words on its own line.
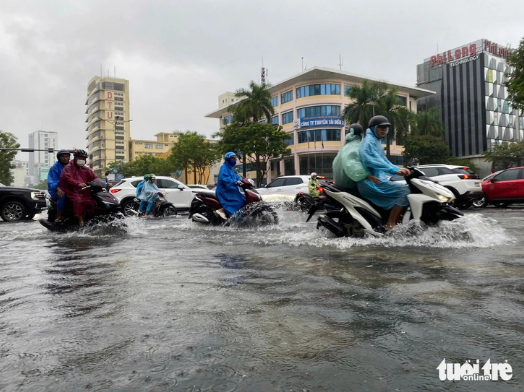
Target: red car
column 503, row 188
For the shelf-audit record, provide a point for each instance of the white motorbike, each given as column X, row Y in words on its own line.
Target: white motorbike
column 355, row 216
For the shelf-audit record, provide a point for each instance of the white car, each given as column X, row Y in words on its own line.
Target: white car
column 286, row 185
column 465, row 184
column 175, row 192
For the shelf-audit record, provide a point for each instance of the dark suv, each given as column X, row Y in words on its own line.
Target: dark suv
column 20, row 203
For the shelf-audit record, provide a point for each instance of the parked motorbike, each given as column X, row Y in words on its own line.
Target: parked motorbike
column 355, row 216
column 105, row 209
column 203, row 208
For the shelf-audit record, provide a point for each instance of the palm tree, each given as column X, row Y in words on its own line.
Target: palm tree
column 427, row 122
column 361, row 109
column 255, row 106
column 390, row 105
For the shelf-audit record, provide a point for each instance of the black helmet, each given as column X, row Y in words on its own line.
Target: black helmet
column 80, row 153
column 357, row 129
column 63, row 152
column 378, row 120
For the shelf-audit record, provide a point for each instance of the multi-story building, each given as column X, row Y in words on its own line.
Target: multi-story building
column 41, row 161
column 107, row 118
column 159, row 148
column 309, row 106
column 470, row 90
column 20, row 173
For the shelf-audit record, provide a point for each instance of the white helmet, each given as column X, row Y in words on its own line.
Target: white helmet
column 313, row 174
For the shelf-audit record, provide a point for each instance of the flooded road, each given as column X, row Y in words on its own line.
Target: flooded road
column 175, row 306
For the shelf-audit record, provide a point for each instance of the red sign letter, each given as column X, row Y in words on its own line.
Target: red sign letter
column 109, row 95
column 465, row 51
column 472, row 50
column 433, row 61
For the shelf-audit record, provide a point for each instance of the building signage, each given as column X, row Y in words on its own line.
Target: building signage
column 325, row 121
column 468, row 53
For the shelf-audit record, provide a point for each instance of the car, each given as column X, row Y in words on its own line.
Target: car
column 503, row 188
column 21, row 203
column 175, row 192
column 460, row 180
column 198, row 186
column 286, row 185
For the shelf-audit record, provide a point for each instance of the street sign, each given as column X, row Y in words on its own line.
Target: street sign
column 115, row 171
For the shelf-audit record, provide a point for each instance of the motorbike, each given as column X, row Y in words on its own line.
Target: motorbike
column 161, row 208
column 105, row 209
column 203, row 208
column 355, row 216
column 304, row 201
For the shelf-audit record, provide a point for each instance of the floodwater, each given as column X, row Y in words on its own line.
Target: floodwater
column 171, row 305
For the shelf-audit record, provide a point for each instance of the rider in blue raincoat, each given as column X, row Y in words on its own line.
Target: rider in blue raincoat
column 149, row 194
column 390, row 195
column 227, row 190
column 53, row 178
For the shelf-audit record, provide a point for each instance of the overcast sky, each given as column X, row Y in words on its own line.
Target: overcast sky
column 179, row 55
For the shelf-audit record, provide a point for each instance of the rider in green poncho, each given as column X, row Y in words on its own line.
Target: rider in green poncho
column 347, row 166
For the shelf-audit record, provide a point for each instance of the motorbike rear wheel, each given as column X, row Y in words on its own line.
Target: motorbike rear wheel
column 169, row 211
column 304, row 202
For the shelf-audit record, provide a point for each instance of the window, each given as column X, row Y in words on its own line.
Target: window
column 319, row 135
column 148, row 145
column 119, row 99
column 287, row 117
column 317, row 111
column 228, row 119
column 347, row 90
column 166, row 184
column 508, row 175
column 274, row 101
column 274, row 120
column 286, row 97
column 278, row 182
column 318, row 89
column 290, row 141
column 430, row 171
column 403, row 99
column 159, row 146
column 294, row 181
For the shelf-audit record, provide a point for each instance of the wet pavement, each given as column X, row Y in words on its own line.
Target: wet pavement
column 170, row 305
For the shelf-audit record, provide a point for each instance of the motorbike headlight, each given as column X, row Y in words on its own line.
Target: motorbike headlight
column 443, row 198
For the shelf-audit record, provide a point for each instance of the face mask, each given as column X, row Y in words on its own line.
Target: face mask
column 232, row 162
column 80, row 162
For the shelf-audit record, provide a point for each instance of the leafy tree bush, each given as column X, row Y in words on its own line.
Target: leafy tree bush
column 7, row 140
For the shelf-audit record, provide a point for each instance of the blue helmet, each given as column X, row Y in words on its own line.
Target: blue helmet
column 230, row 155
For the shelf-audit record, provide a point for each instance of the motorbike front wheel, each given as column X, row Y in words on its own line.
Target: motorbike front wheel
column 169, row 211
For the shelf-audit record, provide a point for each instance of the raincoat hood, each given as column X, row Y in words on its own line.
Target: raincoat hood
column 351, row 136
column 374, row 131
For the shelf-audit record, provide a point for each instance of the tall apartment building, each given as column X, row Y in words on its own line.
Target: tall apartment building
column 107, row 118
column 470, row 84
column 41, row 161
column 309, row 107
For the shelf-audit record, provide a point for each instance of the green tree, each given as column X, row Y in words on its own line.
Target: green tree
column 506, row 155
column 427, row 149
column 258, row 142
column 361, row 109
column 515, row 83
column 390, row 105
column 41, row 185
column 254, row 106
column 193, row 152
column 373, row 99
column 427, row 122
column 7, row 140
